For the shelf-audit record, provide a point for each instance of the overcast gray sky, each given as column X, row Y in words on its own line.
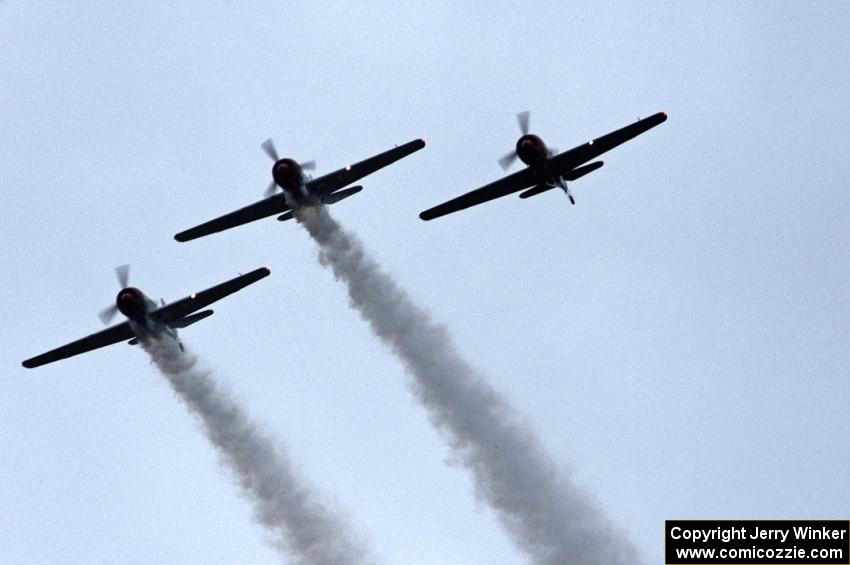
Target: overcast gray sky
column 679, row 338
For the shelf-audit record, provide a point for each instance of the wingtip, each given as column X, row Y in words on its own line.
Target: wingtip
column 180, row 237
column 259, row 273
column 425, row 216
column 27, row 364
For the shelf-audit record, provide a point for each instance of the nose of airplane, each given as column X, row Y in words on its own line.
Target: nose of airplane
column 131, row 302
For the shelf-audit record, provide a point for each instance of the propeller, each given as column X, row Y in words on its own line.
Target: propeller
column 523, row 119
column 122, row 273
column 271, row 151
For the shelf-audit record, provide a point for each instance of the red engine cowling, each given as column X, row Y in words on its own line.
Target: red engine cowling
column 531, row 149
column 131, row 303
column 287, row 174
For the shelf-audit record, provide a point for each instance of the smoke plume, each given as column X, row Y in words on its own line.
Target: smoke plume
column 547, row 515
column 283, row 503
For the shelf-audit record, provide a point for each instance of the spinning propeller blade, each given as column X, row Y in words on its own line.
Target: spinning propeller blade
column 123, row 274
column 107, row 314
column 508, row 160
column 523, row 119
column 269, row 148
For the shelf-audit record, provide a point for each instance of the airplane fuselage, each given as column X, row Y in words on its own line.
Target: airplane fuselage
column 136, row 306
column 532, row 151
column 132, row 302
column 289, row 176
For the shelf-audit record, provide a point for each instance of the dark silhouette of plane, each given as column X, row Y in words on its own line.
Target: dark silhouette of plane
column 145, row 318
column 299, row 189
column 546, row 169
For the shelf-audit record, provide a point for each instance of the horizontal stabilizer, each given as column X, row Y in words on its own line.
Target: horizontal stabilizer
column 534, row 191
column 288, row 216
column 581, row 171
column 340, row 194
column 191, row 319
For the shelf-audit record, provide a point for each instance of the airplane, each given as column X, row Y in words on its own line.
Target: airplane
column 299, row 189
column 546, row 169
column 145, row 318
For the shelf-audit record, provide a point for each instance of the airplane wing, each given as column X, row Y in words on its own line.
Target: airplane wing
column 267, row 207
column 171, row 313
column 331, row 182
column 102, row 338
column 569, row 160
column 502, row 187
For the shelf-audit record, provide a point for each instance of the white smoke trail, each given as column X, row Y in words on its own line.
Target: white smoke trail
column 282, row 502
column 548, row 516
